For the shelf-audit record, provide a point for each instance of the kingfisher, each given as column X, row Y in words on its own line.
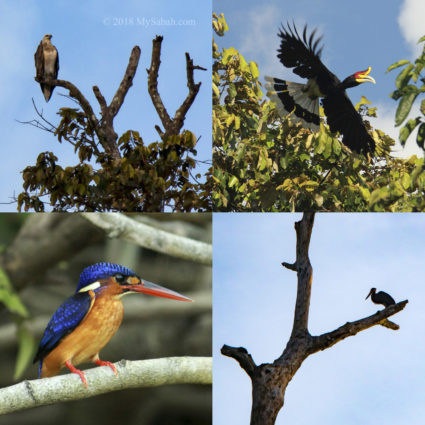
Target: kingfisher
column 86, row 321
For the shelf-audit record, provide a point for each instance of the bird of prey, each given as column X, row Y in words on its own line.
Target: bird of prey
column 302, row 100
column 47, row 65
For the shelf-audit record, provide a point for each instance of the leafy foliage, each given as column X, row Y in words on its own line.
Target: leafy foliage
column 12, row 302
column 406, row 93
column 145, row 178
column 264, row 163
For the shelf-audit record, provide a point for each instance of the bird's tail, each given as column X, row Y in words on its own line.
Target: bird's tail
column 292, row 98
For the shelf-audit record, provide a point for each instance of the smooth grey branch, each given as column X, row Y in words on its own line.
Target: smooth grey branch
column 122, row 226
column 131, row 374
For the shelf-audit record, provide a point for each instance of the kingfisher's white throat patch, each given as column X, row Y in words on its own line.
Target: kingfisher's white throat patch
column 92, row 286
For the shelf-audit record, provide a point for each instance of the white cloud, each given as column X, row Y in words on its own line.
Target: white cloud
column 260, row 41
column 411, row 22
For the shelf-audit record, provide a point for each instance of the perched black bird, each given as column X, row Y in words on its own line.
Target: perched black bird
column 381, row 297
column 302, row 100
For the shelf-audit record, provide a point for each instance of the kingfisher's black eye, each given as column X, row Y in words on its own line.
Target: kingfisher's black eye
column 120, row 278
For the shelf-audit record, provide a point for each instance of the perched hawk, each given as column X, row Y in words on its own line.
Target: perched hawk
column 46, row 64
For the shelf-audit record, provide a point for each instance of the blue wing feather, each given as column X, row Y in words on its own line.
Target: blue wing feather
column 66, row 318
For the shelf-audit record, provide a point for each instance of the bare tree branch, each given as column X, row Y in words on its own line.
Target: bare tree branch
column 352, row 328
column 153, row 83
column 241, row 355
column 180, row 114
column 171, row 126
column 120, row 225
column 303, row 229
column 126, row 82
column 101, row 380
column 76, row 94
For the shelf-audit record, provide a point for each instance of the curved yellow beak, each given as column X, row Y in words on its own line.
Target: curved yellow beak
column 364, row 77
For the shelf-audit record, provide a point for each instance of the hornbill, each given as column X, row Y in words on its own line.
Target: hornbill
column 381, row 297
column 302, row 100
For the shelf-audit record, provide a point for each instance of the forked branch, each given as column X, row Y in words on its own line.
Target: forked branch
column 172, row 126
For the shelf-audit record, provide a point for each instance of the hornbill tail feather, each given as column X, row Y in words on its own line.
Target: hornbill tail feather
column 291, row 98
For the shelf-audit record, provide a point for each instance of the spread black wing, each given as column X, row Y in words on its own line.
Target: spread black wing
column 303, row 55
column 342, row 117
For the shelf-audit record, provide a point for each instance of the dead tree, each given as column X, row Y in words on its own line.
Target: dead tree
column 269, row 380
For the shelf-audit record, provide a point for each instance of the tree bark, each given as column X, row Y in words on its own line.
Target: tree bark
column 269, row 380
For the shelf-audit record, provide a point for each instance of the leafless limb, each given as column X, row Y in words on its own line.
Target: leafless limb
column 242, row 356
column 101, row 380
column 120, row 225
column 172, row 126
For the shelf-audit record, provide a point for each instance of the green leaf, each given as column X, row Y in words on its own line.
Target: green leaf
column 405, row 105
column 9, row 298
column 228, row 54
column 407, row 130
column 216, row 90
column 234, row 180
column 397, row 64
column 405, row 181
column 404, row 77
column 336, row 146
column 319, row 200
column 254, row 69
column 420, row 138
column 243, row 64
column 25, row 351
column 422, row 109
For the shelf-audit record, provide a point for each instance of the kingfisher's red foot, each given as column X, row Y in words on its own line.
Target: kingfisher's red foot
column 103, row 363
column 79, row 372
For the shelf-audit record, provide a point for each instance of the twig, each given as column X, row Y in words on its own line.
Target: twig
column 101, row 380
column 120, row 225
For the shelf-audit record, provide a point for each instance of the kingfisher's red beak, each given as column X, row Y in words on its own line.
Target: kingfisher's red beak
column 149, row 288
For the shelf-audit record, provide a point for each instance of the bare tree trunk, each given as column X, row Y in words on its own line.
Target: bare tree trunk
column 269, row 380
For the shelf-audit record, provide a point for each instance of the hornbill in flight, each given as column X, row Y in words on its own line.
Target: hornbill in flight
column 302, row 100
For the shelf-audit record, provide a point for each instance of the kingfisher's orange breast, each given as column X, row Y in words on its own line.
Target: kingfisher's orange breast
column 89, row 337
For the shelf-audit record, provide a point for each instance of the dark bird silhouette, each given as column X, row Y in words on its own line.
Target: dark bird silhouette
column 46, row 65
column 302, row 100
column 381, row 297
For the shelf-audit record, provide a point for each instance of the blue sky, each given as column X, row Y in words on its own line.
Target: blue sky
column 374, row 377
column 356, row 35
column 94, row 40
